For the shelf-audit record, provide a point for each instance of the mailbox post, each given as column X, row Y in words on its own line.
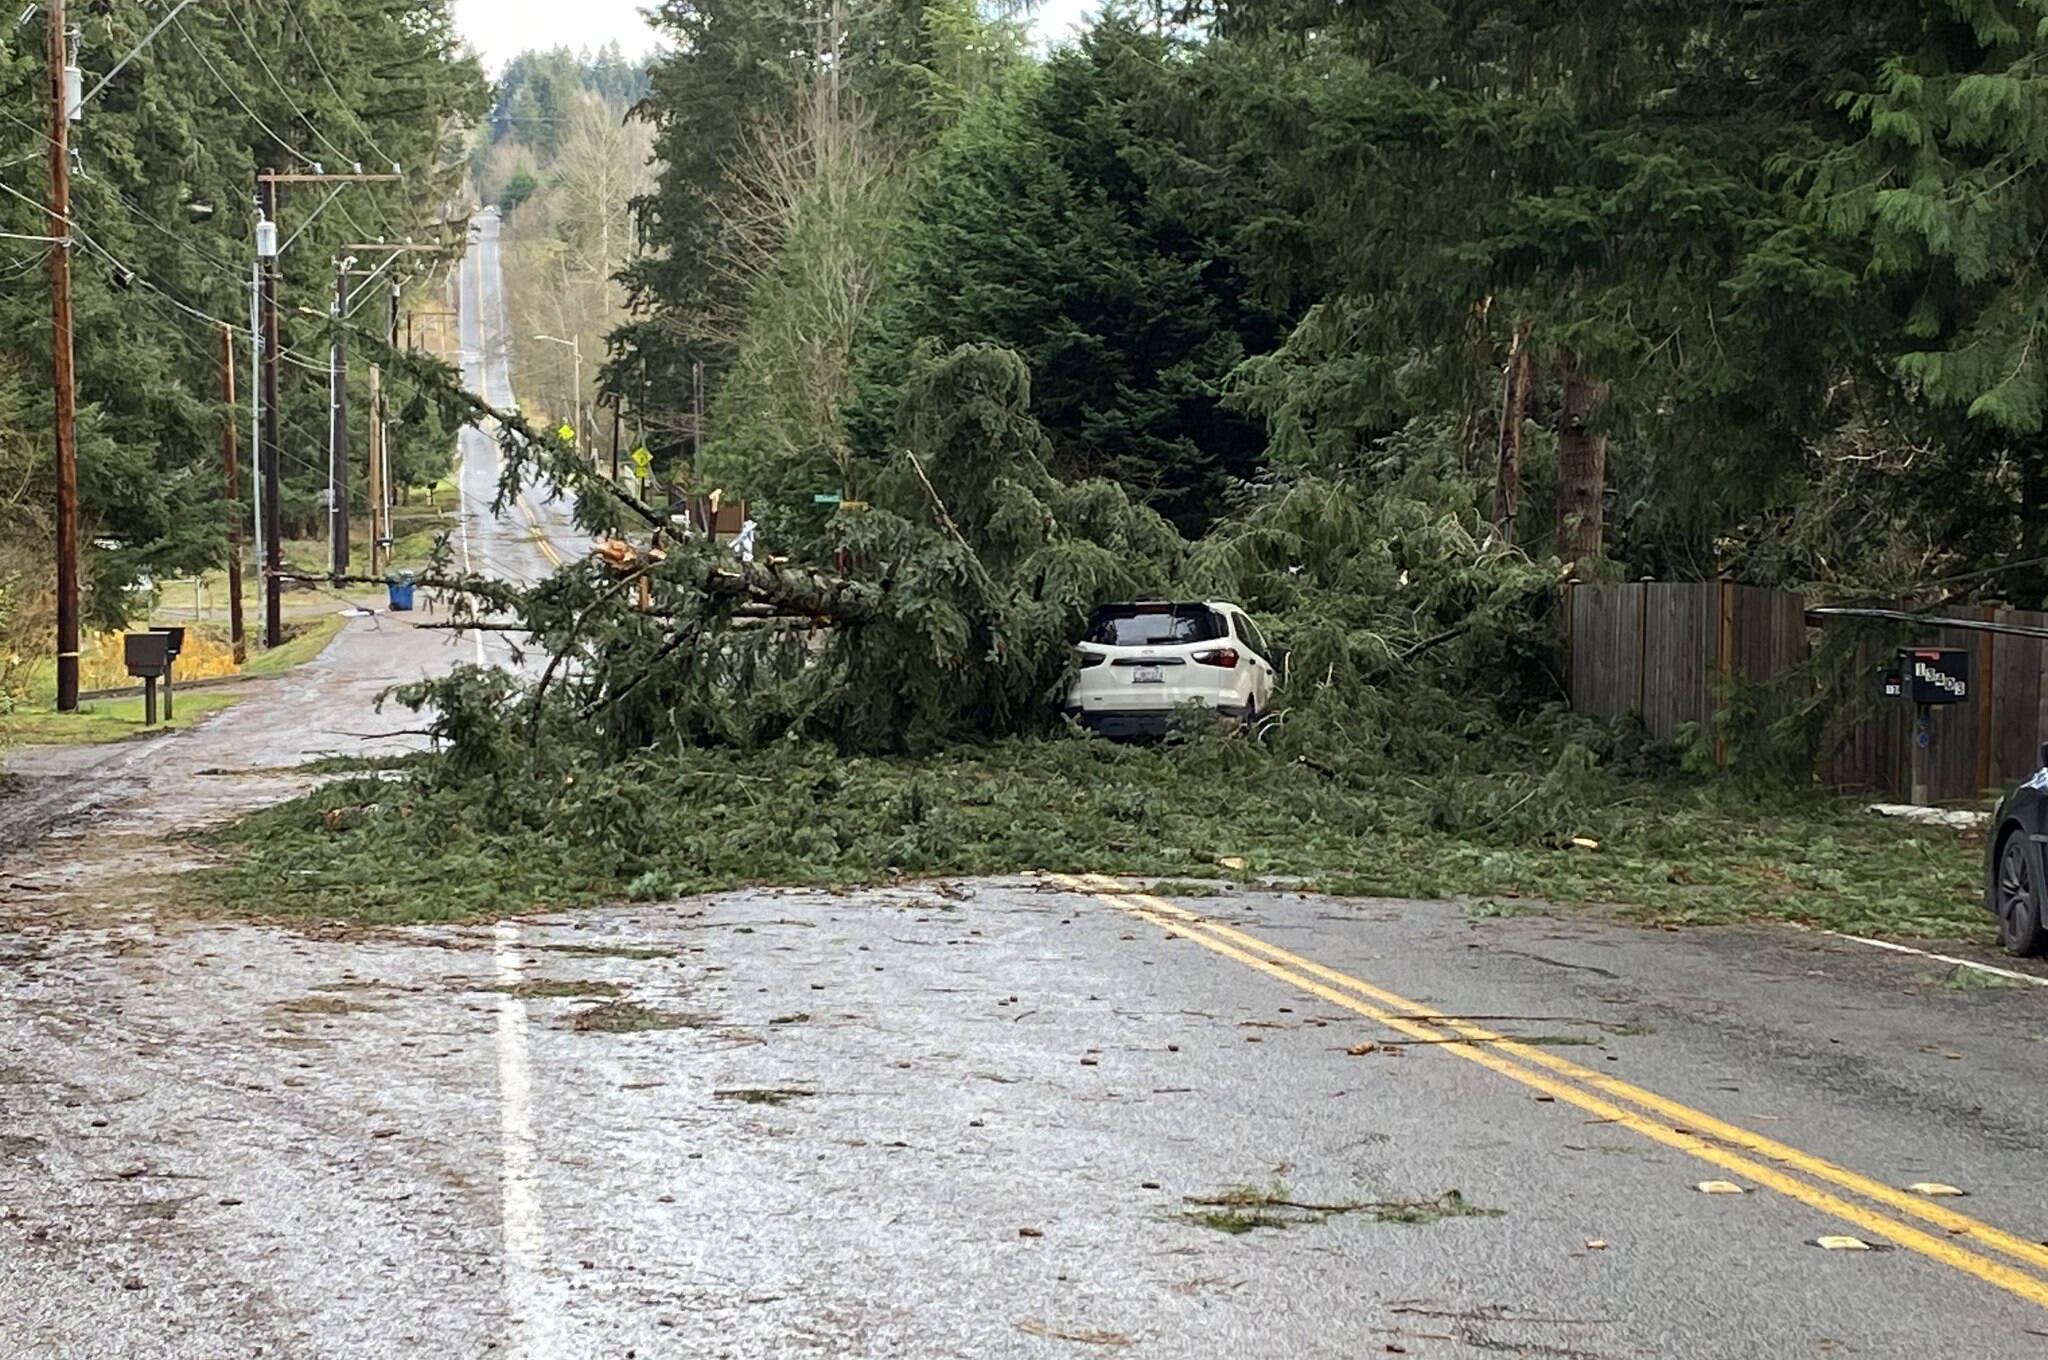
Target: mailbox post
column 175, row 644
column 1930, row 675
column 148, row 657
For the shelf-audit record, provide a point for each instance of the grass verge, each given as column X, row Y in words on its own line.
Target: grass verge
column 37, row 723
column 302, row 643
column 418, row 844
column 99, row 720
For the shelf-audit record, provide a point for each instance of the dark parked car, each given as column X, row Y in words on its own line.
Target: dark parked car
column 2013, row 877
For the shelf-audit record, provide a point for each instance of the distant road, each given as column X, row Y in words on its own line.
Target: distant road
column 532, row 537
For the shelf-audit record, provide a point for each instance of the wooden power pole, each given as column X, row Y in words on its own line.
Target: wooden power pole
column 268, row 247
column 337, row 431
column 273, row 530
column 64, row 379
column 377, row 527
column 236, row 631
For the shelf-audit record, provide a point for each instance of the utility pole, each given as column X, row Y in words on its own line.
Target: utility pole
column 376, row 464
column 267, row 249
column 379, row 487
column 227, row 392
column 273, row 556
column 382, row 534
column 256, row 412
column 337, row 430
column 63, row 378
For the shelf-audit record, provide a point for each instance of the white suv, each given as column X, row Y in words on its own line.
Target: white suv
column 1141, row 661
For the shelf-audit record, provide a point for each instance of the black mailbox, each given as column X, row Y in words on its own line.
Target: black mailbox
column 1936, row 675
column 176, row 636
column 148, row 655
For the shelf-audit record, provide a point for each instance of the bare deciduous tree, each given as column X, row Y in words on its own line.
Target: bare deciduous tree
column 807, row 239
column 564, row 248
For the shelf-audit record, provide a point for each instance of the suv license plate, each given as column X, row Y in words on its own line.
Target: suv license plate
column 1147, row 675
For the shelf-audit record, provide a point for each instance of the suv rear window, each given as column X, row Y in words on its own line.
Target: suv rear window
column 1154, row 625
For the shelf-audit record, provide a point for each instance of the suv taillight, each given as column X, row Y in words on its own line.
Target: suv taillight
column 1092, row 659
column 1226, row 657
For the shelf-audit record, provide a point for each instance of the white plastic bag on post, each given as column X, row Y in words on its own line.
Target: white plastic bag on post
column 743, row 545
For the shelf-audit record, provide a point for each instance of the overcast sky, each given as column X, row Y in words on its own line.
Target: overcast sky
column 502, row 29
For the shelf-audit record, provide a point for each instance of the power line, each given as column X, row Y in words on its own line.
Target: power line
column 212, row 322
column 130, row 272
column 143, row 215
column 256, row 51
column 40, row 133
column 147, row 39
column 313, row 50
column 347, row 108
column 357, row 227
column 135, row 210
column 184, row 242
column 36, row 259
column 173, row 235
column 346, row 158
column 268, row 131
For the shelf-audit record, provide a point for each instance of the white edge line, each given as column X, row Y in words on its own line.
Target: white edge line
column 1897, row 948
column 530, row 1303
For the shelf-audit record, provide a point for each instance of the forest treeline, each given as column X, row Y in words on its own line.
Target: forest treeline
column 1675, row 289
column 164, row 165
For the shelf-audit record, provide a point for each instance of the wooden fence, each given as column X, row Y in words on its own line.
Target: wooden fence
column 1672, row 652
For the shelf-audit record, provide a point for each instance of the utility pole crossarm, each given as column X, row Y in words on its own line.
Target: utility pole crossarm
column 270, row 177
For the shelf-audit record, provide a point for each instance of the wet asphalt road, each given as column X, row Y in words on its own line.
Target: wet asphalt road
column 536, row 533
column 962, row 1119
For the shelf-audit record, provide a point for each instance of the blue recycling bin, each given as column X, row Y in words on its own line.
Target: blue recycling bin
column 400, row 587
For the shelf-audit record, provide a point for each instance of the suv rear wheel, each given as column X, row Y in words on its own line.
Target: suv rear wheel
column 2019, row 897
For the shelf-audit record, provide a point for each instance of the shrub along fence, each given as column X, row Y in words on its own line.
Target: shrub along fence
column 1674, row 653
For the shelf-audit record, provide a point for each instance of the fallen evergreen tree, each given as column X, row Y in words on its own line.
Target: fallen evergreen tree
column 954, row 597
column 782, row 722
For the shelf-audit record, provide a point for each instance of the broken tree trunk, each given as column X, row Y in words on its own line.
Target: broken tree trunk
column 1581, row 461
column 790, row 589
column 1514, row 409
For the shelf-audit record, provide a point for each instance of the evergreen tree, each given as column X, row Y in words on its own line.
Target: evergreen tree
column 1039, row 226
column 166, row 158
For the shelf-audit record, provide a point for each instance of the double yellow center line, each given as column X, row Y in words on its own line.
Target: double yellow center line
column 1877, row 1209
column 540, row 535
